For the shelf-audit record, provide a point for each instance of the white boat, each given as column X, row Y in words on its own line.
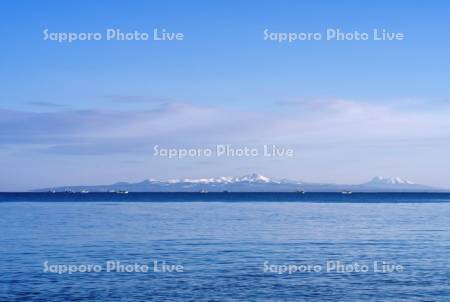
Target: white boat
column 121, row 192
column 347, row 192
column 84, row 191
column 203, row 191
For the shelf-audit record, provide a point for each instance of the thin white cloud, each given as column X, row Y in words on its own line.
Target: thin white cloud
column 313, row 122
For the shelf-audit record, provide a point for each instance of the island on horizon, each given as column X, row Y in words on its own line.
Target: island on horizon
column 249, row 183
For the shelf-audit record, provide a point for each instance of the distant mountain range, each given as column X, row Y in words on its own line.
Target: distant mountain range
column 251, row 183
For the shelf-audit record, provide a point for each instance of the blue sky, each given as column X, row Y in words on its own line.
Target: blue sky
column 90, row 112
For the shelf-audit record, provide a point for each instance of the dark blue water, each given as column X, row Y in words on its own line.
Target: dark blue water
column 228, row 197
column 225, row 244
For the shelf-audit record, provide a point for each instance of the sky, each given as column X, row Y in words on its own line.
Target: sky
column 91, row 112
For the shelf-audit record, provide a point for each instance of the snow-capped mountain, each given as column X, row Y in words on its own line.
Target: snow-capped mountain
column 379, row 180
column 254, row 177
column 253, row 183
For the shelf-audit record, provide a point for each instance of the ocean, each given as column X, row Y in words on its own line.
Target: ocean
column 224, row 247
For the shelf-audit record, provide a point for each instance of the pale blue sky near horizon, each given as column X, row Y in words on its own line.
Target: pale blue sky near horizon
column 89, row 112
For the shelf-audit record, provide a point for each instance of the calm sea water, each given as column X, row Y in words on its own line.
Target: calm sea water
column 232, row 247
